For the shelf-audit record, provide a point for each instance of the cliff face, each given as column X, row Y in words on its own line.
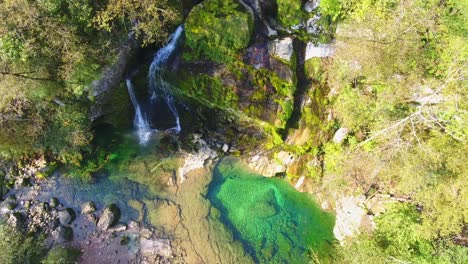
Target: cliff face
column 252, row 59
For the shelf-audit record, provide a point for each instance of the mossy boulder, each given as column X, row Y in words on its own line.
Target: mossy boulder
column 217, row 30
column 290, row 12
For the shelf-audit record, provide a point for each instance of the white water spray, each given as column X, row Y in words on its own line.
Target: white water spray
column 159, row 87
column 141, row 121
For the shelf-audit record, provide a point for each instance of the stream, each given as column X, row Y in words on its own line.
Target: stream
column 214, row 210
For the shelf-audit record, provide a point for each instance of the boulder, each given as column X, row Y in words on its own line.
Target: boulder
column 66, row 216
column 62, row 234
column 281, row 48
column 9, row 204
column 349, row 216
column 340, row 135
column 109, row 217
column 318, row 50
column 16, row 220
column 312, row 26
column 54, row 202
column 311, row 5
column 88, row 208
column 118, row 228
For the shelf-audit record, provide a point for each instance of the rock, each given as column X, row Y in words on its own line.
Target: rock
column 66, row 216
column 10, row 203
column 62, row 234
column 118, row 228
column 325, row 205
column 92, row 218
column 312, row 26
column 340, row 135
column 349, row 216
column 124, row 240
column 22, row 182
column 109, row 217
column 45, row 207
column 27, row 204
column 311, row 5
column 54, row 202
column 225, row 148
column 54, row 224
column 88, row 208
column 16, row 220
column 266, row 166
column 152, row 248
column 281, row 48
column 320, row 50
column 198, row 160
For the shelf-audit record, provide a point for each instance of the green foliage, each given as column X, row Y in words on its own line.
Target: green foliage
column 150, row 20
column 16, row 247
column 398, row 83
column 398, row 238
column 62, row 255
column 290, row 12
column 217, row 30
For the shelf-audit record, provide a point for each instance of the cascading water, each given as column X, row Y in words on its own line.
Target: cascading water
column 141, row 121
column 158, row 88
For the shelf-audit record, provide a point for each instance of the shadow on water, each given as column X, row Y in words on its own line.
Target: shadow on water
column 274, row 222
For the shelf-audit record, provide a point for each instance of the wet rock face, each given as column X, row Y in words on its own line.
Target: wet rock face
column 109, row 217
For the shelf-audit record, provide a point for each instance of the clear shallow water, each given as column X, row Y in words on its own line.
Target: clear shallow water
column 229, row 214
column 274, row 222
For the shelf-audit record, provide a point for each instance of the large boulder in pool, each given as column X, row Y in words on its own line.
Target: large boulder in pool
column 109, row 217
column 216, row 29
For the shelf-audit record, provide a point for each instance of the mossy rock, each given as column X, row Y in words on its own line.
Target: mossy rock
column 290, row 12
column 218, row 29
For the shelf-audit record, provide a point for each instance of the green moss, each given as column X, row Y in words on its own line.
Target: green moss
column 313, row 69
column 207, row 87
column 217, row 30
column 290, row 12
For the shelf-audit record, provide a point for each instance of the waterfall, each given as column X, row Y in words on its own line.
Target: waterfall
column 140, row 122
column 160, row 88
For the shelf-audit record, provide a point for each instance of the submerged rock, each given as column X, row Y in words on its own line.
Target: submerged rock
column 62, row 234
column 109, row 217
column 66, row 216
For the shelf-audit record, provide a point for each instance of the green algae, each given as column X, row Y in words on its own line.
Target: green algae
column 275, row 223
